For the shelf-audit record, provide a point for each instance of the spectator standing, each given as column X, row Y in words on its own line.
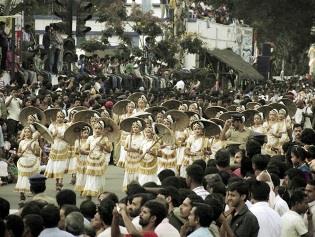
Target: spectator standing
column 13, row 104
column 4, row 44
column 292, row 224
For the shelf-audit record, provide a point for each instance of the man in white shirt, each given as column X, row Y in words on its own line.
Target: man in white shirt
column 280, row 206
column 194, row 180
column 292, row 224
column 268, row 219
column 13, row 104
column 310, row 193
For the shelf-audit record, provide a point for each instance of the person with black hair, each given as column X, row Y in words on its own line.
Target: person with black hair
column 297, row 132
column 268, row 219
column 65, row 210
column 292, row 223
column 15, row 225
column 51, row 217
column 4, row 208
column 88, row 209
column 171, row 196
column 298, row 157
column 180, row 215
column 310, row 194
column 33, row 225
column 165, row 174
column 222, row 158
column 281, row 205
column 194, row 180
column 199, row 221
column 243, row 222
column 66, row 196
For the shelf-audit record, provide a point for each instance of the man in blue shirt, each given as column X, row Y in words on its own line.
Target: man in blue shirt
column 199, row 221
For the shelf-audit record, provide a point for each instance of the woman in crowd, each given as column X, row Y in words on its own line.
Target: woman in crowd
column 28, row 163
column 273, row 133
column 99, row 149
column 148, row 162
column 133, row 150
column 80, row 151
column 59, row 153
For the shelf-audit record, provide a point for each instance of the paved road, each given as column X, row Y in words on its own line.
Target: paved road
column 114, row 179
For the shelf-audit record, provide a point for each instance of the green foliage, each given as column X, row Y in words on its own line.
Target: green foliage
column 191, row 44
column 93, row 45
column 165, row 51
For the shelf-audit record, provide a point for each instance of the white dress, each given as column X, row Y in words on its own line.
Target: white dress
column 132, row 162
column 180, row 137
column 148, row 164
column 80, row 165
column 167, row 159
column 28, row 164
column 58, row 157
column 96, row 165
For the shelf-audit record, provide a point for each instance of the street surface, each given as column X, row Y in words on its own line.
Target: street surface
column 114, row 180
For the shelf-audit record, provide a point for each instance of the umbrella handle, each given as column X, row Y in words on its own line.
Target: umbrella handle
column 151, row 147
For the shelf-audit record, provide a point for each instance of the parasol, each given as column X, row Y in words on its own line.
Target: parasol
column 73, row 132
column 165, row 134
column 249, row 116
column 126, row 124
column 156, row 109
column 251, row 105
column 84, row 116
column 210, row 128
column 142, row 115
column 265, row 109
column 135, row 97
column 51, row 114
column 171, row 104
column 212, row 111
column 218, row 121
column 112, row 130
column 180, row 119
column 191, row 113
column 232, row 108
column 31, row 110
column 119, row 108
column 279, row 106
column 291, row 106
column 43, row 132
column 227, row 115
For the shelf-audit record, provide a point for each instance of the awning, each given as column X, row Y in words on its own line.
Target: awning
column 233, row 60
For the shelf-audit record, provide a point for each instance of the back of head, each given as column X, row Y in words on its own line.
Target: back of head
column 165, row 173
column 195, row 173
column 240, row 187
column 75, row 223
column 259, row 191
column 253, row 147
column 67, row 208
column 4, row 208
column 15, row 225
column 205, row 214
column 171, row 181
column 217, row 205
column 31, row 207
column 308, row 136
column 201, row 163
column 134, row 188
column 66, row 196
column 34, row 223
column 297, row 197
column 105, row 210
column 88, row 209
column 260, row 162
column 51, row 216
column 222, row 158
column 157, row 209
column 172, row 192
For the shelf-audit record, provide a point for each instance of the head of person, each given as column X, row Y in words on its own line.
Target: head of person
column 74, row 223
column 99, row 128
column 171, row 195
column 159, row 117
column 239, row 155
column 136, row 127
column 259, row 191
column 297, row 131
column 258, row 119
column 308, row 136
column 222, row 158
column 51, row 216
column 165, row 173
column 183, row 108
column 66, row 196
column 310, row 191
column 237, row 121
column 148, row 132
column 273, row 115
column 130, row 107
column 299, row 202
column 15, row 225
column 64, row 211
column 237, row 194
column 198, row 128
column 152, row 214
column 32, row 207
column 33, row 225
column 168, row 121
column 201, row 215
column 37, row 183
column 142, row 102
column 282, row 114
column 259, row 163
column 193, row 108
column 108, row 195
column 104, row 215
column 137, row 201
column 60, row 117
column 88, row 209
column 201, row 163
column 188, row 204
column 298, row 155
column 85, row 132
column 4, row 208
column 195, row 175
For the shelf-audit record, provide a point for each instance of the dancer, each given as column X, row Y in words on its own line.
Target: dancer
column 28, row 163
column 99, row 149
column 58, row 156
